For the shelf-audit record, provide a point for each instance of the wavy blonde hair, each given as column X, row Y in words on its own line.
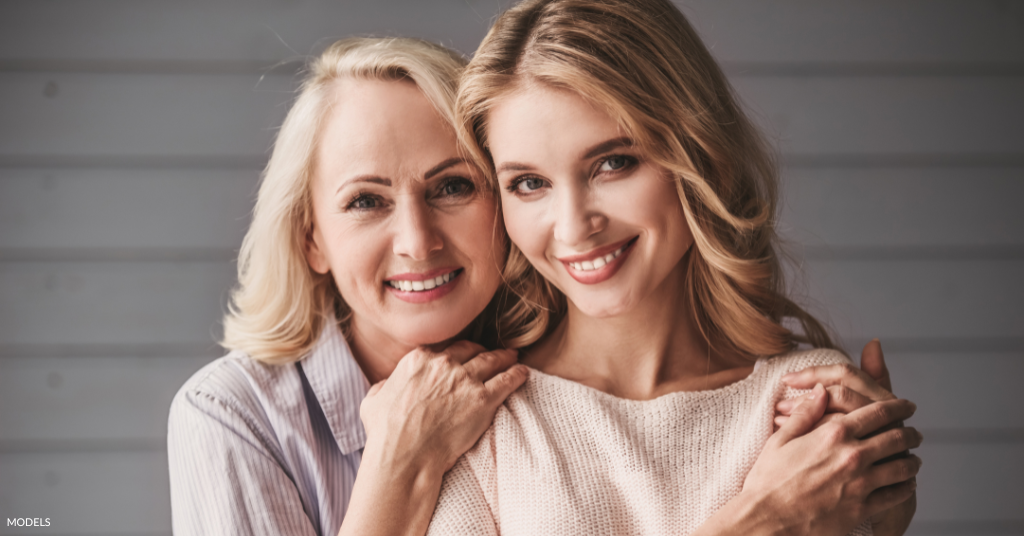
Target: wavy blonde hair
column 280, row 305
column 642, row 62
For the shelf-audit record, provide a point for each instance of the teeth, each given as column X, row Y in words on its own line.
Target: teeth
column 419, row 286
column 599, row 262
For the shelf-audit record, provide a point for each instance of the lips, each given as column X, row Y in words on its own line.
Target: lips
column 423, row 287
column 599, row 264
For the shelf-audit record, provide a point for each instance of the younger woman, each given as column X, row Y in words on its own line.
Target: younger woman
column 641, row 205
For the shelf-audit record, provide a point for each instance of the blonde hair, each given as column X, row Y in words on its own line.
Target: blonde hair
column 642, row 62
column 280, row 305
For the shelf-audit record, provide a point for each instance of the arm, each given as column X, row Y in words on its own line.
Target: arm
column 221, row 466
column 824, row 481
column 850, row 389
column 431, row 410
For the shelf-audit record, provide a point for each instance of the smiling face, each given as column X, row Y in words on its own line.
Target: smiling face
column 399, row 218
column 586, row 208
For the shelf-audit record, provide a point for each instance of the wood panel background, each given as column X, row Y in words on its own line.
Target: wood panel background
column 132, row 135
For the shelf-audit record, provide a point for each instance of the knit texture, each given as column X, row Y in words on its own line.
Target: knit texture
column 564, row 459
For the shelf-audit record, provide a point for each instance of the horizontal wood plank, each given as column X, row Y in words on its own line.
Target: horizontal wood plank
column 978, row 483
column 899, row 207
column 915, row 299
column 88, row 493
column 141, row 115
column 846, row 117
column 80, row 209
column 960, row 390
column 113, row 303
column 52, row 118
column 262, row 32
column 89, row 400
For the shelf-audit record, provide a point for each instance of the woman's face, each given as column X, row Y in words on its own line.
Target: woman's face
column 586, row 208
column 399, row 218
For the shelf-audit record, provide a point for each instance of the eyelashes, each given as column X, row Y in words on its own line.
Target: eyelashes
column 615, row 164
column 448, row 191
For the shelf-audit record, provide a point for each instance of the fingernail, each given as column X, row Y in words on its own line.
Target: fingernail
column 913, row 484
column 817, row 391
column 789, row 376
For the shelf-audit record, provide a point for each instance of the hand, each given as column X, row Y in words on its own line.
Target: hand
column 849, row 389
column 826, row 481
column 436, row 405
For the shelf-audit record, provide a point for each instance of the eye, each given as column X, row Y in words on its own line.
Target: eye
column 616, row 163
column 364, row 202
column 456, row 187
column 525, row 185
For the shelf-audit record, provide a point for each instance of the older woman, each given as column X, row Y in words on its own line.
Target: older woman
column 366, row 197
column 374, row 244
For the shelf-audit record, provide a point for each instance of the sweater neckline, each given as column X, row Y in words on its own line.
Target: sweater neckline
column 725, row 390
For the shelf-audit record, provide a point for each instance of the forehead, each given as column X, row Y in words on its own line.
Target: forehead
column 386, row 128
column 541, row 120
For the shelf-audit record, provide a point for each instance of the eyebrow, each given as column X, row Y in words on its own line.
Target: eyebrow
column 443, row 166
column 606, row 146
column 387, row 182
column 602, row 147
column 365, row 178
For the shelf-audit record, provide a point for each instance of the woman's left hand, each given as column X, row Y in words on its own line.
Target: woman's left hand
column 851, row 388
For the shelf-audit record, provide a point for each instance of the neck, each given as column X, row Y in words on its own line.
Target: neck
column 376, row 352
column 652, row 349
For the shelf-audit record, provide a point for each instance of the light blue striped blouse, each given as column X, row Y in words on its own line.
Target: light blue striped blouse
column 267, row 449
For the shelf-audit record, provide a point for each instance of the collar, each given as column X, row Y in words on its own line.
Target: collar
column 339, row 386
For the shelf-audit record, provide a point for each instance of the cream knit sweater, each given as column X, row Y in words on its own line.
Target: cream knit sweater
column 565, row 459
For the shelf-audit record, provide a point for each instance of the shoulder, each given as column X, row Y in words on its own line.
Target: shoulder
column 801, row 359
column 233, row 388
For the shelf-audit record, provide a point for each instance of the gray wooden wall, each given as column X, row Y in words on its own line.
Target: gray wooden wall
column 132, row 134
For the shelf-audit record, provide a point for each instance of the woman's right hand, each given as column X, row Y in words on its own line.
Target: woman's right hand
column 824, row 480
column 436, row 405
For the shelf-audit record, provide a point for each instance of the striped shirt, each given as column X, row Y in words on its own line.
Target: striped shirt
column 267, row 449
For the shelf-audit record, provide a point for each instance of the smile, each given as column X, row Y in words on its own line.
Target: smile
column 424, row 287
column 424, row 284
column 600, row 264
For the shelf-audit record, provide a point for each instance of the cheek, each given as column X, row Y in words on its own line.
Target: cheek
column 523, row 227
column 357, row 257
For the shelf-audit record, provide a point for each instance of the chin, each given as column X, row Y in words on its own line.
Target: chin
column 424, row 333
column 605, row 308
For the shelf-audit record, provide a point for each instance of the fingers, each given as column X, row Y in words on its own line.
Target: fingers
column 873, row 363
column 462, row 351
column 804, row 416
column 887, row 497
column 840, row 400
column 827, row 418
column 891, row 443
column 894, row 472
column 844, row 374
column 870, row 418
column 484, row 366
column 505, row 383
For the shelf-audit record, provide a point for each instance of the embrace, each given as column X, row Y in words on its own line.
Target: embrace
column 538, row 293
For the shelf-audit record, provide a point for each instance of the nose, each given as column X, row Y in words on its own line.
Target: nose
column 415, row 232
column 576, row 217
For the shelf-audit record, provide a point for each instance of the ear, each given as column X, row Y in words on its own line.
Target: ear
column 315, row 255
